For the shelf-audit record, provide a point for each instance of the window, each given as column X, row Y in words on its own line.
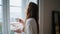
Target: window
column 1, row 20
column 35, row 1
column 9, row 11
column 0, row 2
column 15, row 11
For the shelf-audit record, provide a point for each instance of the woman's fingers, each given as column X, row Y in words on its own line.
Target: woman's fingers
column 18, row 31
column 20, row 20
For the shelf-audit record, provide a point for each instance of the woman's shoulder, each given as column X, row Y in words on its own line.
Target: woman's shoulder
column 30, row 20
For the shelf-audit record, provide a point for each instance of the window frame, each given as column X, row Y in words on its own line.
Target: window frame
column 5, row 29
column 6, row 16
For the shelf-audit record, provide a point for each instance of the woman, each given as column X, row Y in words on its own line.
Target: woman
column 32, row 19
column 31, row 25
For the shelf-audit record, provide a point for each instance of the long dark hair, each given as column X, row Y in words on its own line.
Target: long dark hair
column 32, row 12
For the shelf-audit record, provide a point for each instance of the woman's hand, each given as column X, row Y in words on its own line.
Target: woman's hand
column 18, row 31
column 21, row 21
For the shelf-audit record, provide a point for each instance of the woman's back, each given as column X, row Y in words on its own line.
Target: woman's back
column 31, row 26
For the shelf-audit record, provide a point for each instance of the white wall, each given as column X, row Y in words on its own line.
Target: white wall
column 46, row 7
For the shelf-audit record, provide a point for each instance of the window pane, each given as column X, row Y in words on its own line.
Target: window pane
column 1, row 20
column 35, row 1
column 15, row 12
column 16, row 2
column 0, row 1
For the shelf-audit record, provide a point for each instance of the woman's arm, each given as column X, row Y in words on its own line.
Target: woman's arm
column 21, row 22
column 29, row 29
column 18, row 31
